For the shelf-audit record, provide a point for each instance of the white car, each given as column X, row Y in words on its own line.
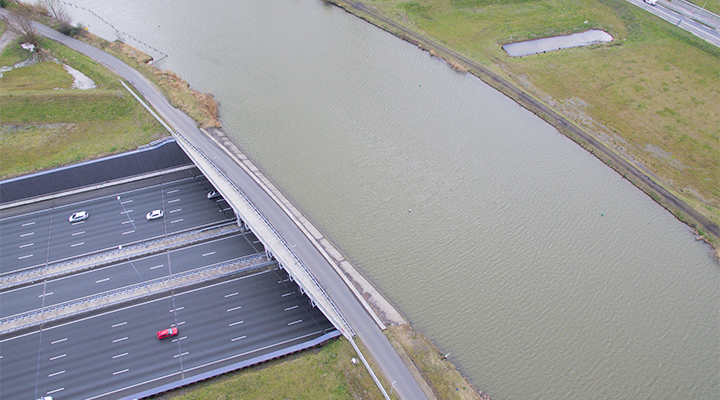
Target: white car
column 155, row 214
column 651, row 2
column 79, row 216
column 46, row 398
column 213, row 195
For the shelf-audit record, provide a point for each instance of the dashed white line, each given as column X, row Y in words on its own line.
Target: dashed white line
column 78, row 233
column 57, row 357
column 27, row 234
column 286, row 294
column 182, row 338
column 181, row 354
column 238, row 338
column 291, row 308
column 180, row 323
column 102, row 280
column 46, row 294
column 56, row 374
column 120, row 340
column 120, row 324
column 157, row 266
column 120, row 372
column 208, row 254
column 126, row 212
column 24, row 257
column 174, row 211
column 55, row 391
column 78, row 223
column 25, row 245
column 234, row 308
column 58, row 341
column 177, row 309
column 231, row 294
column 129, row 232
column 120, row 355
column 173, row 191
column 173, row 201
column 177, row 220
column 28, row 223
column 295, row 322
column 126, row 201
column 236, row 323
column 77, row 244
column 127, row 222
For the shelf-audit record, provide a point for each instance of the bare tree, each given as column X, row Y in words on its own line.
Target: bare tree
column 20, row 23
column 57, row 10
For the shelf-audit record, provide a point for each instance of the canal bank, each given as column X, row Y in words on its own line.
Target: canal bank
column 704, row 227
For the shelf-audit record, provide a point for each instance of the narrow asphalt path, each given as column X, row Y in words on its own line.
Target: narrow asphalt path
column 631, row 172
column 372, row 337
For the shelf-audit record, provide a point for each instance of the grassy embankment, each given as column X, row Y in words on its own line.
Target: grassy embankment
column 711, row 5
column 651, row 94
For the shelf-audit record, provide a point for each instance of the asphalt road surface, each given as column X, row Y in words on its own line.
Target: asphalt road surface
column 97, row 281
column 37, row 237
column 116, row 353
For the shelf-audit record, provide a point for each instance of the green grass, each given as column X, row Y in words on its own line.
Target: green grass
column 3, row 26
column 322, row 373
column 654, row 87
column 711, row 5
column 59, row 127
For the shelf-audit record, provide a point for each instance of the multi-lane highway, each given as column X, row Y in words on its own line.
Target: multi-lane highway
column 137, row 271
column 116, row 354
column 38, row 237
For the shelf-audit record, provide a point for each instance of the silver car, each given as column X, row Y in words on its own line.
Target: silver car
column 79, row 216
column 155, row 214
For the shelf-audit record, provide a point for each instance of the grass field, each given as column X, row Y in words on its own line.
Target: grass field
column 41, row 115
column 710, row 5
column 651, row 93
column 321, row 373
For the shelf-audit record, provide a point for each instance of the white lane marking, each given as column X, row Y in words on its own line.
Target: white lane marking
column 24, row 257
column 27, row 234
column 78, row 223
column 174, row 211
column 291, row 308
column 78, row 233
column 55, row 391
column 28, row 223
column 177, row 220
column 46, row 294
column 177, row 309
column 56, row 374
column 173, row 201
column 180, row 323
column 120, row 372
column 129, row 232
column 173, row 191
column 295, row 322
column 286, row 294
column 157, row 266
column 126, row 201
column 120, row 324
column 208, row 254
column 58, row 341
column 126, row 212
column 77, row 244
column 127, row 222
column 25, row 245
column 236, row 323
column 102, row 280
column 182, row 338
column 120, row 340
column 57, row 357
column 181, row 354
column 225, row 209
column 231, row 294
column 238, row 338
column 120, row 355
column 234, row 308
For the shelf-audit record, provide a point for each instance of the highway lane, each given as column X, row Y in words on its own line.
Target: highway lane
column 103, row 354
column 24, row 239
column 97, row 281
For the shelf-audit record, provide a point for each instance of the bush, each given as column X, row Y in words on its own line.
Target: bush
column 3, row 3
column 69, row 30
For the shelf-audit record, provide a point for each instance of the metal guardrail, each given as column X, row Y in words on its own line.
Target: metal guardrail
column 106, row 254
column 126, row 289
column 275, row 232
